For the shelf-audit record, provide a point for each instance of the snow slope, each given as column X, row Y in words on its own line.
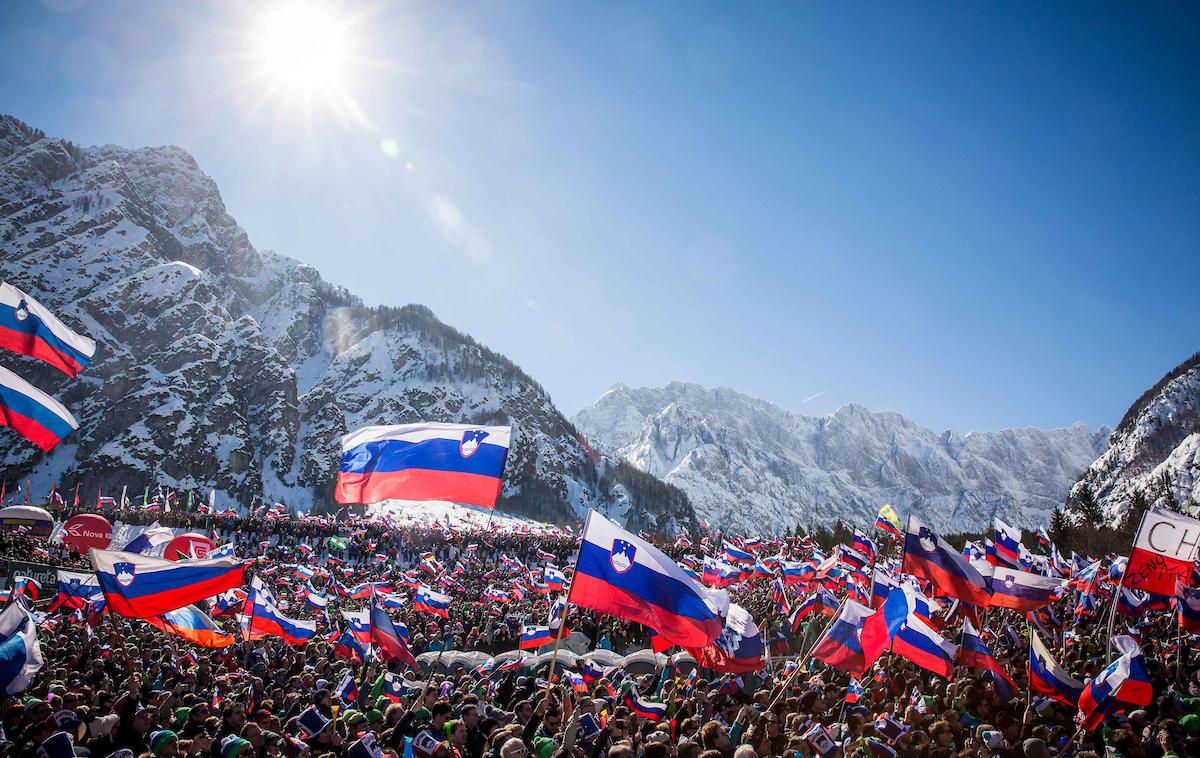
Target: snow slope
column 1155, row 449
column 220, row 366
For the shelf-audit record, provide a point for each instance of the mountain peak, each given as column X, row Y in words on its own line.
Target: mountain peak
column 747, row 464
column 222, row 367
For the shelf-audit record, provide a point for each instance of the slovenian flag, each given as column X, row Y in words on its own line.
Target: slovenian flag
column 346, row 689
column 388, row 640
column 1021, row 590
column 796, row 572
column 1123, row 682
column 433, row 602
column 76, row 589
column 264, row 618
column 735, row 554
column 841, row 647
column 32, row 413
column 647, row 709
column 1187, row 601
column 535, row 636
column 20, row 651
column 1007, row 546
column 927, row 556
column 739, row 649
column 427, row 461
column 193, row 625
column 29, row 328
column 624, row 576
column 1047, row 677
column 974, row 654
column 854, row 690
column 895, row 626
column 139, row 586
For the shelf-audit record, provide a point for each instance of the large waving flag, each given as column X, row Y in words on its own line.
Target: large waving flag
column 263, row 618
column 929, row 557
column 974, row 654
column 387, row 638
column 841, row 646
column 431, row 601
column 428, row 461
column 193, row 625
column 149, row 538
column 1164, row 550
column 360, row 625
column 1124, row 682
column 896, row 626
column 20, row 651
column 1022, row 590
column 29, row 328
column 32, row 413
column 738, row 649
column 139, row 586
column 76, row 589
column 734, row 554
column 622, row 575
column 1048, row 678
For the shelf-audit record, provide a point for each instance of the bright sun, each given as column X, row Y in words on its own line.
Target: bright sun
column 303, row 47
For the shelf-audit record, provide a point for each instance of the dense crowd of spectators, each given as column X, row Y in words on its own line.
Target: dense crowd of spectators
column 118, row 685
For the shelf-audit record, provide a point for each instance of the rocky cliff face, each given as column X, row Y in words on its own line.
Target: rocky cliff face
column 220, row 366
column 1155, row 450
column 744, row 462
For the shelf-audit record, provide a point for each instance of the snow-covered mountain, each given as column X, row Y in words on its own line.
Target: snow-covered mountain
column 747, row 464
column 1155, row 450
column 222, row 366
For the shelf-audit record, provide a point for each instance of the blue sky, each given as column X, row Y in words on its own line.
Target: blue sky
column 979, row 215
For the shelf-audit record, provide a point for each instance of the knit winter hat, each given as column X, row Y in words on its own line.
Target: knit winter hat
column 160, row 739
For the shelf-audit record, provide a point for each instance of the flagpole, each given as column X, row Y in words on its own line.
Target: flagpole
column 567, row 611
column 1112, row 616
column 1029, row 679
column 804, row 658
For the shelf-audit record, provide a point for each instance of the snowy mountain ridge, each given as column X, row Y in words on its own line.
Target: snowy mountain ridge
column 745, row 463
column 1155, row 451
column 220, row 366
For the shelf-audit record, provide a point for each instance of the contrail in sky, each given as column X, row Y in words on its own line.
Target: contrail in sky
column 812, row 397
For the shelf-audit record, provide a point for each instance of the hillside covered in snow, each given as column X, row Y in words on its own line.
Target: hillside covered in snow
column 222, row 366
column 1155, row 451
column 746, row 463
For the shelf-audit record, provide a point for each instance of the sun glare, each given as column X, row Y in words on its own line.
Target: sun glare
column 303, row 48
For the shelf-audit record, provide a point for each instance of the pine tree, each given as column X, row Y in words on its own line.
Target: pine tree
column 1092, row 514
column 1059, row 526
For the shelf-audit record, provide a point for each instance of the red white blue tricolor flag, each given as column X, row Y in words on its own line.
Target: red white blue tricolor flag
column 1047, row 677
column 457, row 463
column 139, row 586
column 1164, row 550
column 929, row 557
column 738, row 649
column 622, row 575
column 1124, row 682
column 29, row 328
column 32, row 413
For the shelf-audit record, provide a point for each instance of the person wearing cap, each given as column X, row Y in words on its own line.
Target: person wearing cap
column 164, row 743
column 233, row 746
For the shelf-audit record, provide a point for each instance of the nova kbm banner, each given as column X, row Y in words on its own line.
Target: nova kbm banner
column 1165, row 549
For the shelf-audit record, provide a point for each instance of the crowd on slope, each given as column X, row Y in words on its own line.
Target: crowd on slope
column 120, row 687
